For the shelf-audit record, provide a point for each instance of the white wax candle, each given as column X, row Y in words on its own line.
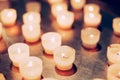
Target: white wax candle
column 31, row 17
column 116, row 25
column 113, row 72
column 91, row 7
column 34, row 6
column 31, row 68
column 50, row 41
column 90, row 37
column 57, row 8
column 8, row 16
column 113, row 53
column 0, row 30
column 18, row 53
column 49, row 79
column 92, row 19
column 64, row 57
column 65, row 19
column 31, row 32
column 77, row 4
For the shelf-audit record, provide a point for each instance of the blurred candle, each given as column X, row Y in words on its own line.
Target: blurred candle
column 113, row 53
column 65, row 19
column 64, row 57
column 116, row 25
column 92, row 19
column 91, row 7
column 0, row 30
column 90, row 37
column 49, row 79
column 34, row 6
column 8, row 17
column 31, row 32
column 31, row 68
column 57, row 8
column 51, row 2
column 77, row 4
column 113, row 72
column 31, row 17
column 50, row 41
column 18, row 53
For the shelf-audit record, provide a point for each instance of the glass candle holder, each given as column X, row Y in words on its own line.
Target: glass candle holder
column 64, row 57
column 18, row 53
column 91, row 7
column 49, row 79
column 65, row 19
column 77, row 4
column 31, row 32
column 8, row 16
column 31, row 17
column 113, row 53
column 116, row 25
column 34, row 6
column 31, row 68
column 92, row 19
column 50, row 41
column 0, row 30
column 113, row 72
column 90, row 37
column 57, row 8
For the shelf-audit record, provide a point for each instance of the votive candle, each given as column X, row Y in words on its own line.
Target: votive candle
column 31, row 68
column 8, row 16
column 18, row 53
column 90, row 37
column 50, row 41
column 64, row 57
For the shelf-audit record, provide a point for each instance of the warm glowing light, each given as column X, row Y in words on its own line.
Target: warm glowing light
column 49, row 79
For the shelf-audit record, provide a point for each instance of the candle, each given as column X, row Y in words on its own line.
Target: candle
column 77, row 4
column 65, row 19
column 31, row 17
column 2, row 76
column 113, row 53
column 8, row 17
column 57, row 8
column 31, row 32
column 49, row 79
column 0, row 30
column 91, row 7
column 64, row 57
column 116, row 25
column 113, row 72
column 33, row 6
column 50, row 41
column 90, row 37
column 31, row 68
column 92, row 19
column 51, row 2
column 18, row 53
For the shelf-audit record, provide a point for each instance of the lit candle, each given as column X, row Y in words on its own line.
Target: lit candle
column 113, row 72
column 8, row 17
column 77, row 4
column 0, row 30
column 116, row 25
column 31, row 32
column 33, row 6
column 64, row 57
column 91, row 7
column 113, row 53
column 31, row 68
column 90, row 37
column 65, row 19
column 2, row 76
column 49, row 79
column 92, row 19
column 50, row 41
column 31, row 17
column 57, row 8
column 18, row 53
